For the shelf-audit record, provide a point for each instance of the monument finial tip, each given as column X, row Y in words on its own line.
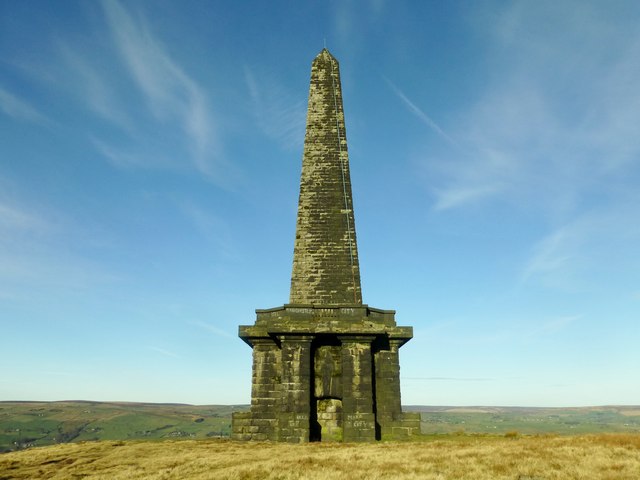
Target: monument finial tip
column 326, row 54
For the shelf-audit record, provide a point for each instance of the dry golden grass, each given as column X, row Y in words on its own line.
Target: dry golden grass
column 478, row 458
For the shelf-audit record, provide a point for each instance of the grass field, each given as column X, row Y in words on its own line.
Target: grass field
column 593, row 457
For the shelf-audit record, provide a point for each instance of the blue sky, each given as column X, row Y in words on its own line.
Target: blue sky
column 150, row 155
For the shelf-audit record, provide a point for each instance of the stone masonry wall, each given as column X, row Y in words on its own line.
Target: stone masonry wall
column 325, row 386
column 357, row 404
column 295, row 408
column 266, row 399
column 325, row 260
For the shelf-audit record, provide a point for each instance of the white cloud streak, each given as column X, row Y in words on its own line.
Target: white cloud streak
column 180, row 116
column 170, row 92
column 38, row 251
column 212, row 227
column 163, row 352
column 454, row 197
column 280, row 115
column 559, row 323
column 551, row 254
column 122, row 158
column 19, row 109
column 561, row 115
column 212, row 329
column 95, row 90
column 353, row 18
column 555, row 133
column 418, row 112
column 15, row 218
column 585, row 248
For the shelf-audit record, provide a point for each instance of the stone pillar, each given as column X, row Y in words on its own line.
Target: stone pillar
column 261, row 422
column 359, row 422
column 327, row 367
column 388, row 383
column 265, row 389
column 295, row 407
column 388, row 405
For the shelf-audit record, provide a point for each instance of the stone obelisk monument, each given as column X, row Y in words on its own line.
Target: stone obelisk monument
column 325, row 365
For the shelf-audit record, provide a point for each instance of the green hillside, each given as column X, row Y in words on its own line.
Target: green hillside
column 531, row 421
column 29, row 424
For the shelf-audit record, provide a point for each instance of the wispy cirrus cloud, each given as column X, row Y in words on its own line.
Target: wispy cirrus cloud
column 211, row 226
column 587, row 247
column 212, row 329
column 34, row 269
column 15, row 107
column 163, row 352
column 92, row 83
column 352, row 19
column 13, row 217
column 43, row 250
column 162, row 116
column 278, row 113
column 418, row 112
column 553, row 132
column 559, row 115
column 453, row 197
column 171, row 94
column 559, row 323
column 504, row 330
column 131, row 157
column 554, row 254
column 499, row 157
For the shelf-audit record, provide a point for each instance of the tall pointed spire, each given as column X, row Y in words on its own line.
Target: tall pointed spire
column 326, row 270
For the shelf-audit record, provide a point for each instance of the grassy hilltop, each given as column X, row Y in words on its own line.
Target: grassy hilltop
column 596, row 457
column 164, row 441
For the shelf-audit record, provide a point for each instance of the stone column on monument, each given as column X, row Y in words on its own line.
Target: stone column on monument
column 265, row 388
column 295, row 407
column 358, row 416
column 387, row 371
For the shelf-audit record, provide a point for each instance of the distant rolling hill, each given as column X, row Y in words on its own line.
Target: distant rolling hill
column 30, row 424
column 528, row 420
